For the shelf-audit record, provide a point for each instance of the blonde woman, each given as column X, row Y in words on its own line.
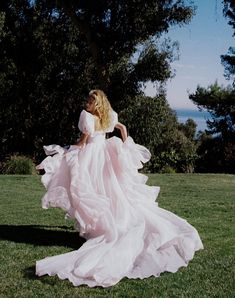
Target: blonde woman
column 97, row 183
column 105, row 119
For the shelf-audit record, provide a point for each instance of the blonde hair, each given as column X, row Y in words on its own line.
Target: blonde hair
column 102, row 107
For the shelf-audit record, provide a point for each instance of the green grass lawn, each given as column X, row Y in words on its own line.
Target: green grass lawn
column 29, row 233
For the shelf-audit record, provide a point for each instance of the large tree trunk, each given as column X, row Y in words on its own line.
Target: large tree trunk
column 94, row 50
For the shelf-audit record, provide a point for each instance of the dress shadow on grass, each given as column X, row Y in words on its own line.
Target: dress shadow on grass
column 42, row 235
column 29, row 273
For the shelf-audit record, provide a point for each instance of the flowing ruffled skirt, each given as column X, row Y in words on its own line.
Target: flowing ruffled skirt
column 127, row 234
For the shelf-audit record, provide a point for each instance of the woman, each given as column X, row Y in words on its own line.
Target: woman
column 97, row 183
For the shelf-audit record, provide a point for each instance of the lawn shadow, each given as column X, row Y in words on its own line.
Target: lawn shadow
column 42, row 235
column 30, row 273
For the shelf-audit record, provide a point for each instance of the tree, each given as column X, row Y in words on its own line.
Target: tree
column 152, row 123
column 228, row 60
column 220, row 103
column 189, row 128
column 217, row 152
column 53, row 52
column 113, row 29
column 40, row 78
column 216, row 146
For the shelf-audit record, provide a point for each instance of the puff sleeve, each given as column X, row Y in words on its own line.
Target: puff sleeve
column 86, row 122
column 114, row 121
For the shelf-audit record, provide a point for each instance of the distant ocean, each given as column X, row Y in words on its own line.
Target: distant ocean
column 199, row 117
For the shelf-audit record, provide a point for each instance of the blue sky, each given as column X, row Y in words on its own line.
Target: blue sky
column 201, row 43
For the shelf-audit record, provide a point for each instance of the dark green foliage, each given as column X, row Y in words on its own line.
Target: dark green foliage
column 151, row 122
column 220, row 103
column 53, row 52
column 41, row 97
column 189, row 128
column 17, row 164
column 216, row 147
column 214, row 155
column 113, row 29
column 217, row 154
column 228, row 60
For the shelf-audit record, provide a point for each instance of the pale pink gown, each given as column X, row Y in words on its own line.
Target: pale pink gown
column 127, row 234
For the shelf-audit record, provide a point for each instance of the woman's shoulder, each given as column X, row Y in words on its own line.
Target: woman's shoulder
column 114, row 116
column 86, row 116
column 113, row 113
column 84, row 113
column 86, row 121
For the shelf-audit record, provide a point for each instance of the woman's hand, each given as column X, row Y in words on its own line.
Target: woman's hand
column 122, row 129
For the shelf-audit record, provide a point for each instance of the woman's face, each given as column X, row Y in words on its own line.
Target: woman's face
column 90, row 105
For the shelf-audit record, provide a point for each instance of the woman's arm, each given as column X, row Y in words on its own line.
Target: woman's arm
column 122, row 129
column 82, row 141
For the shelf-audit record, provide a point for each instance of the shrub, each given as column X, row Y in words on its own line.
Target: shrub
column 19, row 164
column 167, row 170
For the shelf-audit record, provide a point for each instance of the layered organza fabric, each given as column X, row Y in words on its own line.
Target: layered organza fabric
column 127, row 233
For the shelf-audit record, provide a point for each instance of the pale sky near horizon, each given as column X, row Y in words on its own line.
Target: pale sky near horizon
column 201, row 42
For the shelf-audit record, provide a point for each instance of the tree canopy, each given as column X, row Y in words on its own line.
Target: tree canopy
column 53, row 52
column 217, row 151
column 216, row 146
column 220, row 103
column 152, row 123
column 228, row 60
column 114, row 29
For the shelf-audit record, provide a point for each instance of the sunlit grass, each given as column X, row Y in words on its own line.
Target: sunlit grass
column 29, row 233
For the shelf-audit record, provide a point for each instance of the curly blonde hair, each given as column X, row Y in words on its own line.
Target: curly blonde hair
column 102, row 107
